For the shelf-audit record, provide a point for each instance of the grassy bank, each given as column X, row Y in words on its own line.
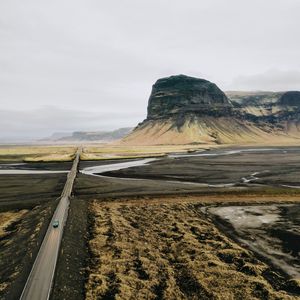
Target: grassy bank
column 36, row 153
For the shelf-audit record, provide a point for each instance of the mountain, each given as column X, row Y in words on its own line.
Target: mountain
column 58, row 135
column 180, row 95
column 188, row 110
column 103, row 136
column 90, row 136
column 266, row 103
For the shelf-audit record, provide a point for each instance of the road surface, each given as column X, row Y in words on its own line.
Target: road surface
column 39, row 282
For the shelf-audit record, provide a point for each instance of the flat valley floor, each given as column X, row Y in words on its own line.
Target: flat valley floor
column 165, row 230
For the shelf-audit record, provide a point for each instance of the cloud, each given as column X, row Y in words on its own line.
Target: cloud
column 271, row 80
column 102, row 57
column 46, row 120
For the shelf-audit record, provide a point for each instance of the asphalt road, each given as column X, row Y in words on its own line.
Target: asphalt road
column 39, row 282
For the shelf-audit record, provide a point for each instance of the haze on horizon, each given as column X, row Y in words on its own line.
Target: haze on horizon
column 89, row 65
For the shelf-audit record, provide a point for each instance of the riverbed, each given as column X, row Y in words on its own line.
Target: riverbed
column 272, row 231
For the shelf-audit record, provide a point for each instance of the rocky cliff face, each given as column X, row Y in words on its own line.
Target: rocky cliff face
column 187, row 110
column 178, row 95
column 291, row 98
column 278, row 105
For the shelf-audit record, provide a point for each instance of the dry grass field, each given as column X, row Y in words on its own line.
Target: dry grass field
column 60, row 153
column 171, row 251
column 9, row 217
column 6, row 219
column 33, row 153
column 112, row 151
column 21, row 233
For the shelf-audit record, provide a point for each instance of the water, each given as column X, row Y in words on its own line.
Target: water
column 95, row 170
column 12, row 169
column 27, row 172
column 227, row 152
column 272, row 231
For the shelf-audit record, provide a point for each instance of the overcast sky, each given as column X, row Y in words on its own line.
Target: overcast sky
column 89, row 65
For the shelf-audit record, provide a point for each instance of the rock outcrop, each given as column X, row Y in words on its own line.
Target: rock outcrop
column 266, row 103
column 291, row 98
column 178, row 95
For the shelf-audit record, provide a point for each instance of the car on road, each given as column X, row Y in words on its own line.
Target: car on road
column 55, row 223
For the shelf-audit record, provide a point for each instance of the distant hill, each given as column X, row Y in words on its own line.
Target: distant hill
column 92, row 136
column 58, row 135
column 188, row 110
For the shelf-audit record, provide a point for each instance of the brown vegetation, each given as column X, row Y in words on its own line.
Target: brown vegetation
column 170, row 251
column 7, row 218
column 116, row 151
column 36, row 153
column 20, row 239
column 206, row 130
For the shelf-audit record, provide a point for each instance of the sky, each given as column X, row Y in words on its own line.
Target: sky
column 68, row 65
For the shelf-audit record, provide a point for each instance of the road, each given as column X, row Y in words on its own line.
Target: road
column 39, row 282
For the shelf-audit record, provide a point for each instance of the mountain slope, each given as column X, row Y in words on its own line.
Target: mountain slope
column 211, row 130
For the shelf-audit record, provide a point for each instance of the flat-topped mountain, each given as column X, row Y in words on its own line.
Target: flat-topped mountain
column 188, row 110
column 183, row 94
